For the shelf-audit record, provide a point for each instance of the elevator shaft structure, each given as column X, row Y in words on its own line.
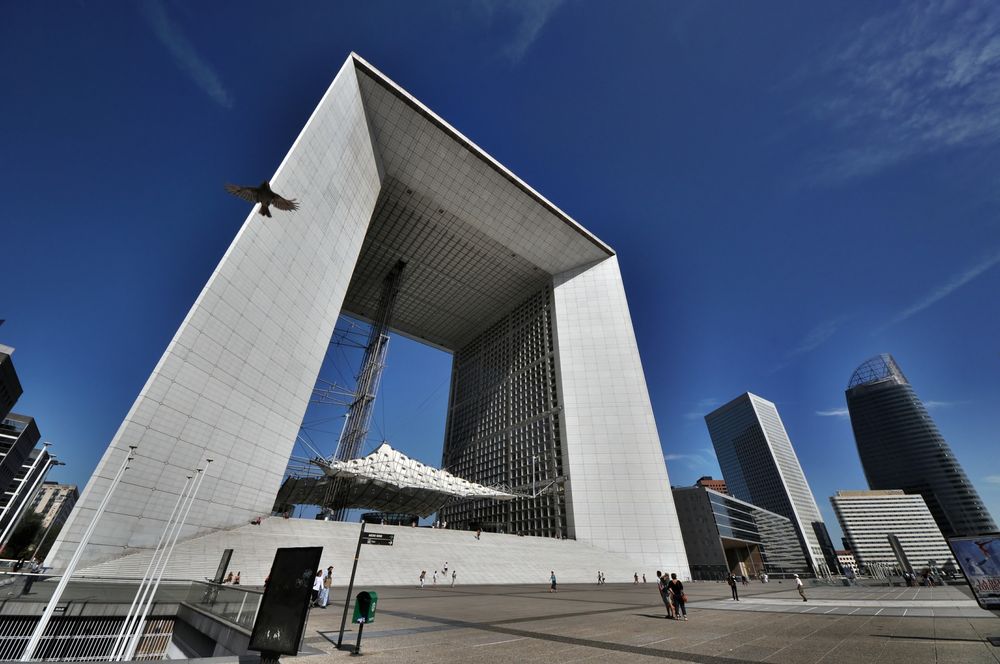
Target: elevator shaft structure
column 362, row 408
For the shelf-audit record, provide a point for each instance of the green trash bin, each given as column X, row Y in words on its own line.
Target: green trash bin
column 364, row 607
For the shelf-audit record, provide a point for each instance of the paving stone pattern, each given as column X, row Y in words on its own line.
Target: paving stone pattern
column 626, row 623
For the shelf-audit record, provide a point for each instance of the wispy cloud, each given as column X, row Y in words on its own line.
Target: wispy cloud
column 944, row 290
column 525, row 20
column 812, row 340
column 702, row 408
column 992, row 479
column 919, row 79
column 833, row 412
column 931, row 405
column 184, row 53
column 703, row 459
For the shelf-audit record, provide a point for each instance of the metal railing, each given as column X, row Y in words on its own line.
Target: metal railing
column 69, row 639
column 236, row 604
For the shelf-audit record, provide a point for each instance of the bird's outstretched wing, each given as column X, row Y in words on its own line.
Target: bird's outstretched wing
column 246, row 193
column 284, row 203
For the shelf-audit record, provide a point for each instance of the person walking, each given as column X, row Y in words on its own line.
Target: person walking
column 324, row 595
column 800, row 588
column 317, row 587
column 552, row 582
column 677, row 594
column 598, row 577
column 635, row 576
column 661, row 587
column 423, row 575
column 434, row 579
column 454, row 575
column 644, row 577
column 732, row 586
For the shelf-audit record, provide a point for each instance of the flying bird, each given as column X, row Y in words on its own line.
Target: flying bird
column 264, row 196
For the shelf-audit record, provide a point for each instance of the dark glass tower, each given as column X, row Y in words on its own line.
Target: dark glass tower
column 901, row 448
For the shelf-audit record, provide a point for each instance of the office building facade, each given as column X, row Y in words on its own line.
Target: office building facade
column 901, row 448
column 18, row 436
column 54, row 502
column 17, row 499
column 724, row 535
column 761, row 467
column 10, row 386
column 548, row 390
column 869, row 518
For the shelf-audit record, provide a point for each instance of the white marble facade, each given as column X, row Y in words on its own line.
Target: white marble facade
column 619, row 492
column 235, row 381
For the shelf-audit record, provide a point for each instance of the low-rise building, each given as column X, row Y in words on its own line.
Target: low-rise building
column 846, row 560
column 724, row 535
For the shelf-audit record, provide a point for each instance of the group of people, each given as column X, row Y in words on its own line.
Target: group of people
column 321, row 587
column 672, row 593
column 734, row 582
column 434, row 578
column 234, row 580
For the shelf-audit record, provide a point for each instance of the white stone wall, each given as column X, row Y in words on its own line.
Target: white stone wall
column 235, row 381
column 619, row 492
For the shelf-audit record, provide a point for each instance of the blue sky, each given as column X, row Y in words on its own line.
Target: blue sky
column 791, row 188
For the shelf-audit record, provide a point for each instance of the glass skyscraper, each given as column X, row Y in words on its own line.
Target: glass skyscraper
column 760, row 467
column 901, row 448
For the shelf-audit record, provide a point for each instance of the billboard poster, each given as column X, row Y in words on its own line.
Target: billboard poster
column 284, row 608
column 979, row 559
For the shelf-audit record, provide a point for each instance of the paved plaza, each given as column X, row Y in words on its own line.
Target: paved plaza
column 625, row 623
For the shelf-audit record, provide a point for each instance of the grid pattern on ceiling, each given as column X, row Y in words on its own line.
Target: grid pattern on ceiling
column 417, row 151
column 503, row 424
column 457, row 281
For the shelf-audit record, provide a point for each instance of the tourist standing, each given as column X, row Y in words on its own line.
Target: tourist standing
column 423, row 575
column 454, row 575
column 680, row 599
column 661, row 587
column 635, row 576
column 324, row 596
column 732, row 586
column 552, row 582
column 236, row 579
column 800, row 588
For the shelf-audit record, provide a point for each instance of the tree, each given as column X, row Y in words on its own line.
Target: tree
column 21, row 540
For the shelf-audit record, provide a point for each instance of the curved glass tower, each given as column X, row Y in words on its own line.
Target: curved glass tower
column 901, row 448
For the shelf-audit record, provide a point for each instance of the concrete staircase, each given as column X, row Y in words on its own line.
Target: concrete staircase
column 493, row 559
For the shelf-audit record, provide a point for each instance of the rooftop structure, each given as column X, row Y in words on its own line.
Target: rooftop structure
column 901, row 448
column 713, row 484
column 548, row 394
column 761, row 467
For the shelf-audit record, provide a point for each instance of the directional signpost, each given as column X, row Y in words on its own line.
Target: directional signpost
column 381, row 539
column 385, row 539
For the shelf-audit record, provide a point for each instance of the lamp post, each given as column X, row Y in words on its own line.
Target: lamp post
column 147, row 577
column 43, row 622
column 23, row 495
column 134, row 643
